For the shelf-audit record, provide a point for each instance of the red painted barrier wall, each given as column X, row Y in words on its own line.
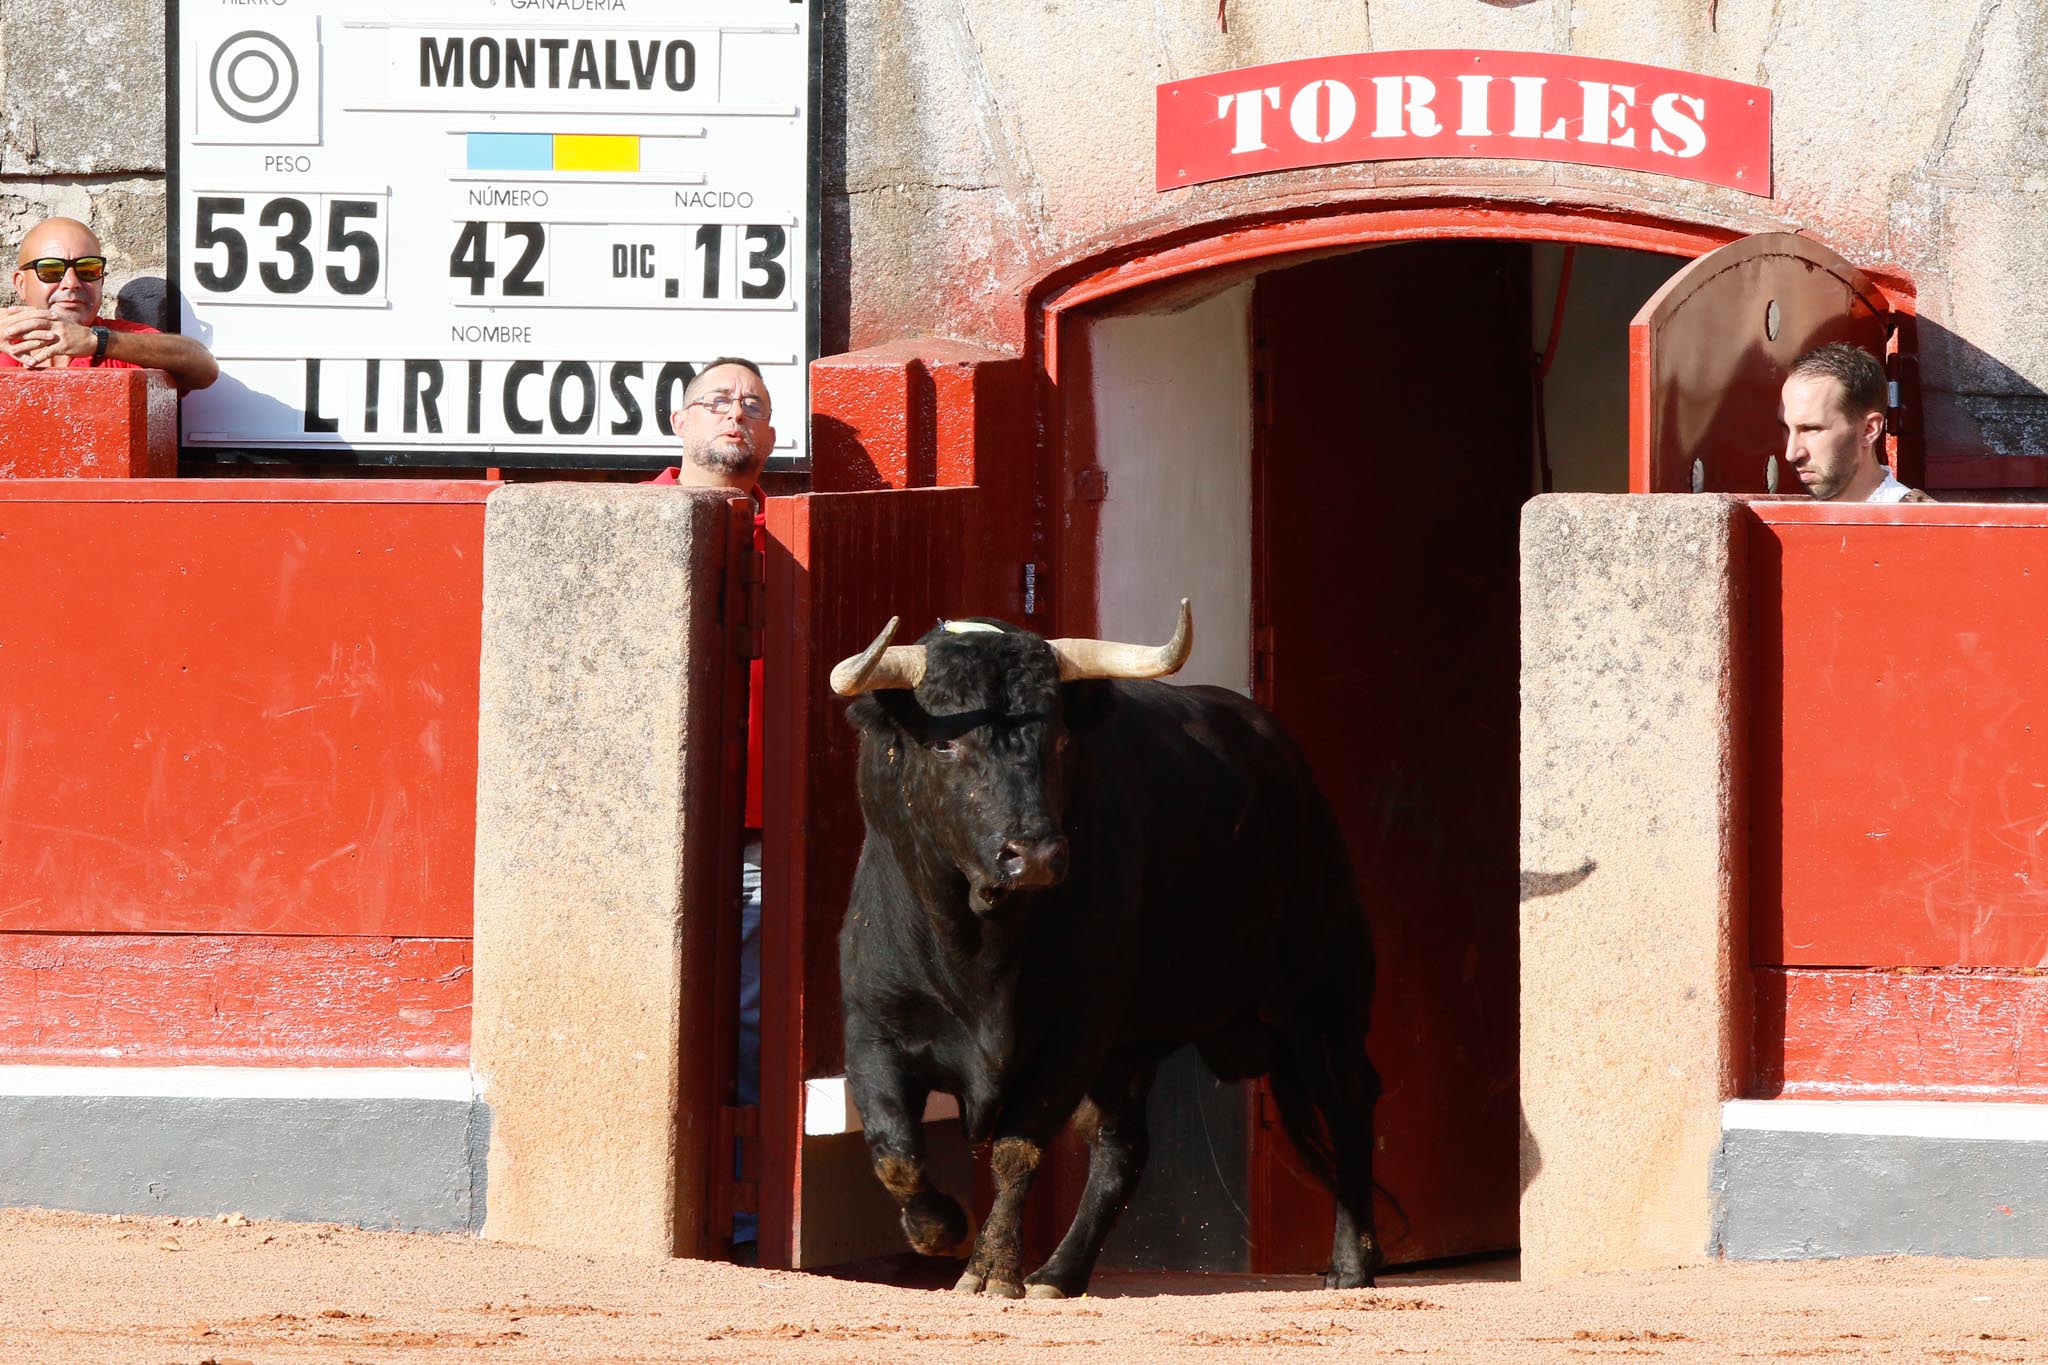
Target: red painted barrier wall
column 237, row 731
column 87, row 424
column 1899, row 838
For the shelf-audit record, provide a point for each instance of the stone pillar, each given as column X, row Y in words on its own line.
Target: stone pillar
column 600, row 764
column 1634, row 934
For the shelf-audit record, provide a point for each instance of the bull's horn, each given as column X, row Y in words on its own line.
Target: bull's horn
column 1108, row 659
column 879, row 666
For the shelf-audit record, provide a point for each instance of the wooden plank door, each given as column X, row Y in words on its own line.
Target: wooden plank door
column 1391, row 457
column 839, row 566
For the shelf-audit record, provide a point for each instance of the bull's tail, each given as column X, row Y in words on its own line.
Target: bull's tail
column 1303, row 1117
column 1325, row 1089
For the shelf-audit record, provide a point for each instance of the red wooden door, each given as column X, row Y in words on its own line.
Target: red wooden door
column 839, row 566
column 1708, row 353
column 1392, row 456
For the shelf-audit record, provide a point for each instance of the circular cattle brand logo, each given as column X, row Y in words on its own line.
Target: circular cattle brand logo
column 254, row 76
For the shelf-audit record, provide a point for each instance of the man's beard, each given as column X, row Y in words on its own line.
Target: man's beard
column 722, row 457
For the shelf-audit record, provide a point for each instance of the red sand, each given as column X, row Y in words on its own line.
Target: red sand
column 78, row 1288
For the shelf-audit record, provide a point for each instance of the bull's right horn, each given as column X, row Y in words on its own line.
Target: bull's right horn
column 1110, row 659
column 881, row 665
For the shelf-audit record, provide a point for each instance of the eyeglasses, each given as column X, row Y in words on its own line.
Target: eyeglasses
column 719, row 404
column 50, row 269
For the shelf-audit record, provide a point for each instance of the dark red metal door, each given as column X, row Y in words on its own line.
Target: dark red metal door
column 1708, row 353
column 839, row 566
column 1392, row 455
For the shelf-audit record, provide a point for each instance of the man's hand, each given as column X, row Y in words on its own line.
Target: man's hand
column 36, row 337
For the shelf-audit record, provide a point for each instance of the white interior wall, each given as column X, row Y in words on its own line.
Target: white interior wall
column 1172, row 400
column 1585, row 394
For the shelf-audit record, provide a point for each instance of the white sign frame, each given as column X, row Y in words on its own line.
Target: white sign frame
column 490, row 232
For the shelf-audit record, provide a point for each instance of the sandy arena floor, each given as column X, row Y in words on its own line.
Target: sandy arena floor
column 75, row 1288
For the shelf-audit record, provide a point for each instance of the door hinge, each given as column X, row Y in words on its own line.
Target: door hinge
column 1262, row 657
column 753, row 603
column 737, row 1186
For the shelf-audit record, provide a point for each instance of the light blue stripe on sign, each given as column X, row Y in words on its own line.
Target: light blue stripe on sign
column 511, row 151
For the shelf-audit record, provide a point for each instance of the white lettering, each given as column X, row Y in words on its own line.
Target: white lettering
column 1607, row 107
column 1664, row 109
column 1301, row 112
column 1251, row 116
column 1472, row 106
column 1529, row 109
column 1389, row 107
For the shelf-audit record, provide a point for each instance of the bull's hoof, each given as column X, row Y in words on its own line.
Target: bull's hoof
column 974, row 1282
column 1352, row 1279
column 1044, row 1291
column 935, row 1225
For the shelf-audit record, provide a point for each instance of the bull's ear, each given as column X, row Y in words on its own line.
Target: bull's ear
column 865, row 713
column 1087, row 704
column 890, row 710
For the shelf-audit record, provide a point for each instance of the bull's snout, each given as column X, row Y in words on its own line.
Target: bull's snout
column 1026, row 863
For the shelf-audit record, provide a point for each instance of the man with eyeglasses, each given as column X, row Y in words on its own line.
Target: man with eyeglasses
column 58, row 275
column 726, row 432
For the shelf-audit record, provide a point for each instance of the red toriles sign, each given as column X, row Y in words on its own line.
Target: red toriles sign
column 1529, row 106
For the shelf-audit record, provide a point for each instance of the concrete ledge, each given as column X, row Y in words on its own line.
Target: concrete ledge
column 1634, row 942
column 1802, row 1179
column 375, row 1147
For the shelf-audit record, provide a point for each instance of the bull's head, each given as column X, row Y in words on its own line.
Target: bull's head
column 964, row 743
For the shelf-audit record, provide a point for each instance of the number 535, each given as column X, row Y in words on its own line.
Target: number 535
column 350, row 251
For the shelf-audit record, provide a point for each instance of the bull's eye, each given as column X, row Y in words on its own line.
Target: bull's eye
column 944, row 748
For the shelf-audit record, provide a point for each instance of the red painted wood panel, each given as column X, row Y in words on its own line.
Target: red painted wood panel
column 1393, row 638
column 239, row 709
column 1865, row 1034
column 233, row 1000
column 1900, row 736
column 839, row 566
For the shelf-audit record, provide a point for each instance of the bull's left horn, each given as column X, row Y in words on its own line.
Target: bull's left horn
column 1109, row 659
column 881, row 665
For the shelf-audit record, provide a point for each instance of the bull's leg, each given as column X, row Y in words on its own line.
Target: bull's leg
column 891, row 1104
column 1355, row 1247
column 1112, row 1119
column 996, row 1266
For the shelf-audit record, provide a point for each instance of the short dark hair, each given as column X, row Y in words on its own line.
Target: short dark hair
column 1854, row 369
column 690, row 389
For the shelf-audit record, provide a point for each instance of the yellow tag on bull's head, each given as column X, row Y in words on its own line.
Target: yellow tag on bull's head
column 968, row 627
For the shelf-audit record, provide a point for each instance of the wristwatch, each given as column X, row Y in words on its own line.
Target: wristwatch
column 99, row 344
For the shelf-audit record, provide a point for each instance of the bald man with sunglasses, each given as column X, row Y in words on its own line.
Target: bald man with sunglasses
column 58, row 274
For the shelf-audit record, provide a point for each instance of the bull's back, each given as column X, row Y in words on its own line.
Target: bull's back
column 1212, row 819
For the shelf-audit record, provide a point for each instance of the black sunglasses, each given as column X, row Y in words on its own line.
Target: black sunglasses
column 50, row 269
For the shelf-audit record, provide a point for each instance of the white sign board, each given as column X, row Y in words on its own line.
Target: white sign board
column 489, row 231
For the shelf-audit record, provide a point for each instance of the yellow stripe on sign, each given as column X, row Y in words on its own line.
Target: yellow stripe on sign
column 596, row 152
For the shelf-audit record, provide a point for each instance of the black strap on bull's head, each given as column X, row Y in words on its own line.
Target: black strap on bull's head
column 882, row 665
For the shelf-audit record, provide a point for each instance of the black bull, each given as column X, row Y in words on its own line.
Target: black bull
column 1064, row 879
